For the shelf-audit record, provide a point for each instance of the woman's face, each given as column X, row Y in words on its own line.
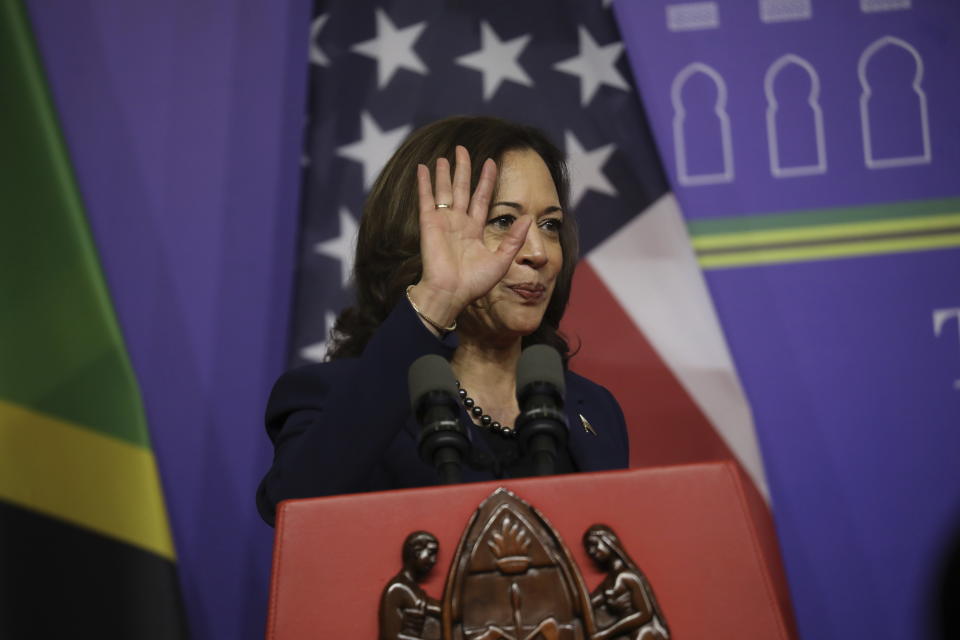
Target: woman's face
column 525, row 190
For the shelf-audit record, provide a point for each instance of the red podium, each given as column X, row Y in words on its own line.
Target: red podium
column 709, row 556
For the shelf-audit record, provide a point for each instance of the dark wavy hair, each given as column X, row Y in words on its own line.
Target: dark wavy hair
column 388, row 244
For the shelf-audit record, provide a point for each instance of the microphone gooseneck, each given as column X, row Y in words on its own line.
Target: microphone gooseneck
column 542, row 424
column 433, row 398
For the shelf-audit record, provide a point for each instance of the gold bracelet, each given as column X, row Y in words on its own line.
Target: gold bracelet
column 425, row 318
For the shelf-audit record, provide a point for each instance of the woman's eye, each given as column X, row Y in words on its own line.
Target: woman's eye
column 501, row 222
column 552, row 224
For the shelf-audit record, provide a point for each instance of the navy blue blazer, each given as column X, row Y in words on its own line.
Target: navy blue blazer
column 346, row 426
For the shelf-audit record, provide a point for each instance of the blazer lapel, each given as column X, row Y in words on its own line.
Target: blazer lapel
column 594, row 445
column 582, row 443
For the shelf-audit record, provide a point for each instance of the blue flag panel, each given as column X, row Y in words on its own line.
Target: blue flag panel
column 814, row 149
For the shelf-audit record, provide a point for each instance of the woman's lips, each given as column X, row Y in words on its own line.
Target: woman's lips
column 528, row 291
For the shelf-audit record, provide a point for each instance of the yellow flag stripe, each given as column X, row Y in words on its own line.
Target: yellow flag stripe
column 824, row 232
column 823, row 252
column 84, row 477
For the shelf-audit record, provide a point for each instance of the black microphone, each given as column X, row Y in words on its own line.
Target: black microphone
column 433, row 398
column 542, row 424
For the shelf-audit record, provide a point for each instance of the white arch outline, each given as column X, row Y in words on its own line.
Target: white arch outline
column 903, row 161
column 679, row 113
column 773, row 143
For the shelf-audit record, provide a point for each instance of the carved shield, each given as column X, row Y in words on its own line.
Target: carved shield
column 512, row 577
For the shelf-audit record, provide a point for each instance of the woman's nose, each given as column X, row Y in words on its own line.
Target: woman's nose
column 533, row 252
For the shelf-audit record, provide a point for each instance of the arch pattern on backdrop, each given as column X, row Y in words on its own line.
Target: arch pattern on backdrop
column 680, row 120
column 779, row 166
column 872, row 111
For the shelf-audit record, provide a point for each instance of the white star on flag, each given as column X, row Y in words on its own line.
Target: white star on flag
column 317, row 56
column 595, row 65
column 317, row 351
column 374, row 147
column 342, row 247
column 497, row 60
column 586, row 168
column 392, row 48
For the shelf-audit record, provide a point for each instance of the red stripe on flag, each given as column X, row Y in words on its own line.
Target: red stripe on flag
column 666, row 426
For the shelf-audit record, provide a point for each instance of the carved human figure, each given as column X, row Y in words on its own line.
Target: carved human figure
column 624, row 597
column 406, row 611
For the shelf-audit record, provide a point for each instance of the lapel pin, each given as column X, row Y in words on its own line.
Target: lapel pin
column 586, row 425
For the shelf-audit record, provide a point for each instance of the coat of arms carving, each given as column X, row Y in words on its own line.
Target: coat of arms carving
column 512, row 578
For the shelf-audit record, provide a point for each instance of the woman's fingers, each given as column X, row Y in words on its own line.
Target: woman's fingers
column 442, row 186
column 461, row 179
column 480, row 203
column 424, row 188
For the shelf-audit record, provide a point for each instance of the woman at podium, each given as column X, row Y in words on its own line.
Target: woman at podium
column 466, row 249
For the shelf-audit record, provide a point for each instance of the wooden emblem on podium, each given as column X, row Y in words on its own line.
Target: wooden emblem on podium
column 513, row 578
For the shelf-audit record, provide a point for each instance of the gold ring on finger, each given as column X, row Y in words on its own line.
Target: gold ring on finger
column 442, row 205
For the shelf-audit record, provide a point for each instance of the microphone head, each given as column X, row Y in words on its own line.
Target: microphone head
column 430, row 373
column 540, row 363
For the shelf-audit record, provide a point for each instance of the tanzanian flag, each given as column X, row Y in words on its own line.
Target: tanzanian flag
column 85, row 547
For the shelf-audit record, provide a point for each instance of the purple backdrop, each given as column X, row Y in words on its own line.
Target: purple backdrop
column 852, row 387
column 183, row 121
column 741, row 50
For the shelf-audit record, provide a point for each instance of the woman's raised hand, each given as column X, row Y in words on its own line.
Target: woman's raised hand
column 458, row 267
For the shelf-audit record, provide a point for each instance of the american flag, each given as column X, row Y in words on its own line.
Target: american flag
column 639, row 311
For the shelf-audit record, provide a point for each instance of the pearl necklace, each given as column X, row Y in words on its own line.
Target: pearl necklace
column 486, row 422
